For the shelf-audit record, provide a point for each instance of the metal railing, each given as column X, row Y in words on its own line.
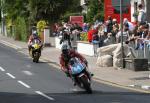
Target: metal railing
column 144, row 52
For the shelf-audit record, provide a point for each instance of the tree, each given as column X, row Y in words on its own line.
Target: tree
column 50, row 10
column 95, row 10
column 73, row 10
column 15, row 8
column 20, row 29
column 35, row 10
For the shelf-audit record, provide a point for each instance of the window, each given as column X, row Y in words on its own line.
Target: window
column 125, row 10
column 125, row 6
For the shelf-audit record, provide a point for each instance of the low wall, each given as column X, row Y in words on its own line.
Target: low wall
column 85, row 48
column 57, row 43
column 82, row 47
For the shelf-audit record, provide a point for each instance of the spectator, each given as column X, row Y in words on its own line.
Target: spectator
column 66, row 38
column 109, row 24
column 114, row 33
column 101, row 35
column 148, row 41
column 95, row 41
column 143, row 33
column 125, row 34
column 91, row 32
column 55, row 29
column 129, row 24
column 79, row 29
column 108, row 40
column 115, row 23
column 141, row 15
column 85, row 27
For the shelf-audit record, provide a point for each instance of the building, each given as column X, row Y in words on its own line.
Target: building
column 112, row 8
column 83, row 4
column 134, row 8
column 128, row 11
column 148, row 10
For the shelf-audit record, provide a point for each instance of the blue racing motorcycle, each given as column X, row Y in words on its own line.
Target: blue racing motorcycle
column 79, row 73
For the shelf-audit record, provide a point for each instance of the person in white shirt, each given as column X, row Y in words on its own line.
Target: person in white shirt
column 141, row 14
column 130, row 25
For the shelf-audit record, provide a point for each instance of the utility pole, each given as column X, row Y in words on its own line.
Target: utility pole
column 121, row 28
column 123, row 4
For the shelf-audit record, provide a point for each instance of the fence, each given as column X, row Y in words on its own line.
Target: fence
column 144, row 51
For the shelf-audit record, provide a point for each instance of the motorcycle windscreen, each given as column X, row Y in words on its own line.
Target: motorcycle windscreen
column 77, row 68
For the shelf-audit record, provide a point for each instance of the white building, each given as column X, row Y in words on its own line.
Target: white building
column 83, row 4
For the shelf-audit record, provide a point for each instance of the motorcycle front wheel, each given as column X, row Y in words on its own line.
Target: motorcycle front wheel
column 36, row 57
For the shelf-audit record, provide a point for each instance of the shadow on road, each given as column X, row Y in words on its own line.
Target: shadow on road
column 74, row 97
column 6, row 97
column 46, row 62
column 100, row 93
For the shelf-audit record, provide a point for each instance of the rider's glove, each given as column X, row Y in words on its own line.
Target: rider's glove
column 86, row 62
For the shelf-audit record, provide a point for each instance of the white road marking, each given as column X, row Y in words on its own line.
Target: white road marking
column 74, row 89
column 44, row 95
column 2, row 69
column 24, row 84
column 43, row 60
column 10, row 75
column 10, row 44
column 145, row 87
column 131, row 85
column 27, row 73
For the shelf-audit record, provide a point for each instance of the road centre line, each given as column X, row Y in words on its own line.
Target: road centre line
column 2, row 69
column 44, row 95
column 24, row 84
column 27, row 73
column 10, row 75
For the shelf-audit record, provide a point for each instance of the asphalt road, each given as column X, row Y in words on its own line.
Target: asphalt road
column 22, row 81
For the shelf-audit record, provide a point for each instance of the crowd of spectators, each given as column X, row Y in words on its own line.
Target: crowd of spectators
column 107, row 32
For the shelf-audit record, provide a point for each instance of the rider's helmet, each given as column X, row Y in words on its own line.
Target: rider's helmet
column 65, row 49
column 35, row 34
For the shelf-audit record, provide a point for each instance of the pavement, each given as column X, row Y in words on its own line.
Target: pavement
column 123, row 78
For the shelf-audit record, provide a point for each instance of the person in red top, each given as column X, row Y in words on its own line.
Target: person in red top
column 91, row 32
column 66, row 56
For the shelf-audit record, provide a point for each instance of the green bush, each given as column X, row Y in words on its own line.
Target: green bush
column 20, row 29
column 9, row 27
